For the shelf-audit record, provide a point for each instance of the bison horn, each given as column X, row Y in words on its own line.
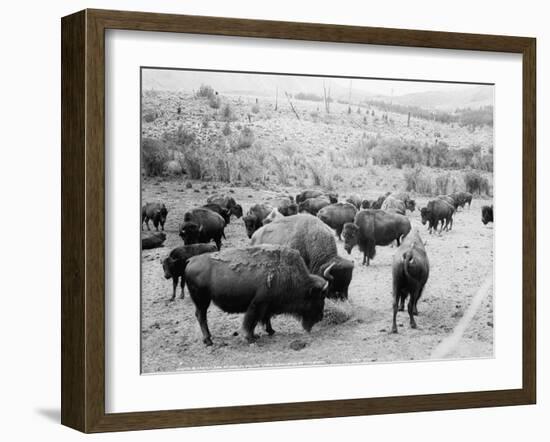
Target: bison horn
column 324, row 289
column 326, row 273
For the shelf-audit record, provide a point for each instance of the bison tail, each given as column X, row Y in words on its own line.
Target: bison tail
column 407, row 260
column 223, row 234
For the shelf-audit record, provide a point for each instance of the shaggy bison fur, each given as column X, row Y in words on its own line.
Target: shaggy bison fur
column 316, row 244
column 261, row 282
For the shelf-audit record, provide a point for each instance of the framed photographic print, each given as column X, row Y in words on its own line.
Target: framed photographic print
column 267, row 221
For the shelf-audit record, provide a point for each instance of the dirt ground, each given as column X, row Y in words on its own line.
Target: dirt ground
column 354, row 331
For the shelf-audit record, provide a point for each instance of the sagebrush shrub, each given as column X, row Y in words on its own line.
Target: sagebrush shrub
column 155, row 155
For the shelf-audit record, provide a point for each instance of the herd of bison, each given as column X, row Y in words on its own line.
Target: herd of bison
column 291, row 264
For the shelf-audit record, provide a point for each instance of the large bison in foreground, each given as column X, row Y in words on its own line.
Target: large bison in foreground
column 487, row 214
column 410, row 271
column 155, row 212
column 202, row 225
column 435, row 212
column 336, row 215
column 261, row 281
column 373, row 228
column 316, row 244
column 174, row 264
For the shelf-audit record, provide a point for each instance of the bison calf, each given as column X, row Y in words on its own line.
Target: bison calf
column 174, row 264
column 410, row 271
column 260, row 281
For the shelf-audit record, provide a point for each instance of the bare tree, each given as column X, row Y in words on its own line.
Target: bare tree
column 326, row 96
column 291, row 105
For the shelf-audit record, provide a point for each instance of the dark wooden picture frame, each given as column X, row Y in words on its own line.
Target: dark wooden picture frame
column 83, row 220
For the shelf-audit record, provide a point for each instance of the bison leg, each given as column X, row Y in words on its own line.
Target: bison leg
column 202, row 302
column 268, row 329
column 339, row 232
column 147, row 223
column 174, row 286
column 394, row 324
column 162, row 225
column 156, row 224
column 410, row 306
column 182, row 287
column 218, row 242
column 251, row 318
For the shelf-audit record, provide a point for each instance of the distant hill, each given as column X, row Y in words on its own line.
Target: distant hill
column 468, row 96
column 455, row 96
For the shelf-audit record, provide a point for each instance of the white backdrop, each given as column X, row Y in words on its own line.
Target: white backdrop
column 30, row 114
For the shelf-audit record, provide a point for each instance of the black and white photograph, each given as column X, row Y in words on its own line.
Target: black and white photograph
column 303, row 220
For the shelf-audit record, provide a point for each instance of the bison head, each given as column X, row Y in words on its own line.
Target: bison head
column 190, row 232
column 314, row 302
column 167, row 265
column 236, row 210
column 424, row 214
column 291, row 209
column 338, row 274
column 250, row 224
column 351, row 236
column 410, row 205
column 226, row 215
column 365, row 204
column 162, row 214
column 332, row 197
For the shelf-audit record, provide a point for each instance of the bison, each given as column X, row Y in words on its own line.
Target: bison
column 285, row 206
column 487, row 214
column 227, row 202
column 450, row 200
column 410, row 271
column 222, row 211
column 307, row 194
column 153, row 241
column 378, row 203
column 438, row 211
column 336, row 215
column 317, row 246
column 355, row 200
column 174, row 264
column 156, row 212
column 394, row 204
column 366, row 204
column 373, row 228
column 202, row 225
column 255, row 217
column 259, row 281
column 410, row 204
column 313, row 205
column 462, row 198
